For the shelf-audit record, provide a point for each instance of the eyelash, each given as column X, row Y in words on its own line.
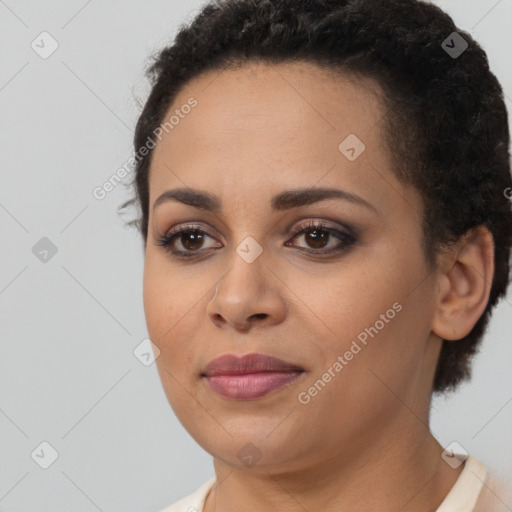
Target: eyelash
column 347, row 239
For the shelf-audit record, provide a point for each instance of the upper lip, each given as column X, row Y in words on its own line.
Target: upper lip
column 230, row 364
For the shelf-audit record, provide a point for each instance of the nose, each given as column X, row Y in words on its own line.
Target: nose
column 248, row 295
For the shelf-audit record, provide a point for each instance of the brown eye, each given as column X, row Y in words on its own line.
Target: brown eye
column 192, row 240
column 317, row 236
column 185, row 242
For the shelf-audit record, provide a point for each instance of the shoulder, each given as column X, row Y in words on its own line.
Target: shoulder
column 477, row 489
column 496, row 494
column 194, row 501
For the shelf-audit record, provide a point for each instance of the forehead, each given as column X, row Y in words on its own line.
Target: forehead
column 260, row 124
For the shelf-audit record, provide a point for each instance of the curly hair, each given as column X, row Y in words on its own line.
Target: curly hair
column 445, row 122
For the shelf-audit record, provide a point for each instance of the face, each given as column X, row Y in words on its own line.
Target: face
column 335, row 284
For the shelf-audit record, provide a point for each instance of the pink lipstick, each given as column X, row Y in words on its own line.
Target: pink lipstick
column 250, row 376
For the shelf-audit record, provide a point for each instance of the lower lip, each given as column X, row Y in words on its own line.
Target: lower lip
column 250, row 385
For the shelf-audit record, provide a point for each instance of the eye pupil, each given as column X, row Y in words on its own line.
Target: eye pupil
column 192, row 236
column 318, row 240
column 317, row 236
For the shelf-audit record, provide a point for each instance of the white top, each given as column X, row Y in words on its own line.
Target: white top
column 462, row 497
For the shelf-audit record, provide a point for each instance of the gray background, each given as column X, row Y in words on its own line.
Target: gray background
column 69, row 326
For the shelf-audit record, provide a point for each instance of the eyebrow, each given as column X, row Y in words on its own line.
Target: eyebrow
column 283, row 201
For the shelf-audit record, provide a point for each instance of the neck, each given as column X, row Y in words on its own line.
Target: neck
column 396, row 471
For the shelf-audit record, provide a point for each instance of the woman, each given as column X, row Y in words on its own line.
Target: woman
column 322, row 188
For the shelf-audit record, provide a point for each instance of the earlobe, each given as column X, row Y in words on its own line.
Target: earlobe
column 464, row 285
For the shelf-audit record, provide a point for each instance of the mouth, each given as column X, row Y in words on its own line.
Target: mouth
column 249, row 377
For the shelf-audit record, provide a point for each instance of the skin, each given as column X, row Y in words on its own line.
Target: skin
column 363, row 441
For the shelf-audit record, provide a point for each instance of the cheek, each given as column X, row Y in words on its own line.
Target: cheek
column 346, row 300
column 366, row 309
column 168, row 307
column 168, row 301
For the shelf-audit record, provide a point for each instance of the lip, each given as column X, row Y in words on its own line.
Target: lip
column 250, row 376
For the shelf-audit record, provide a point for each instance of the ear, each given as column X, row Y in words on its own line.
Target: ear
column 465, row 276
